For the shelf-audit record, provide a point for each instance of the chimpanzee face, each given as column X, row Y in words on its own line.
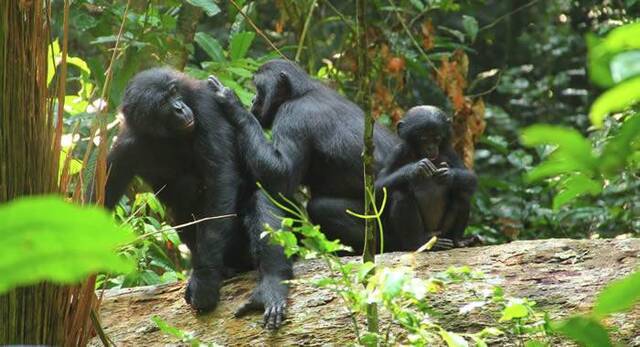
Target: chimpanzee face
column 178, row 115
column 154, row 105
column 426, row 129
column 427, row 144
column 273, row 88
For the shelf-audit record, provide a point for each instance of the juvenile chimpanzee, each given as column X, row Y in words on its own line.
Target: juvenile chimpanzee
column 429, row 187
column 176, row 139
column 317, row 142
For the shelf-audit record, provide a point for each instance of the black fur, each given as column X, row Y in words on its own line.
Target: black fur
column 175, row 138
column 429, row 187
column 317, row 142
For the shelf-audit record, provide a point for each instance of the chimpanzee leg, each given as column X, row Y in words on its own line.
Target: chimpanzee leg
column 273, row 266
column 456, row 219
column 404, row 229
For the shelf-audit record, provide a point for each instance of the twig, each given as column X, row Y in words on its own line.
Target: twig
column 413, row 39
column 342, row 16
column 507, row 15
column 258, row 30
column 488, row 90
column 97, row 125
column 304, row 29
column 143, row 236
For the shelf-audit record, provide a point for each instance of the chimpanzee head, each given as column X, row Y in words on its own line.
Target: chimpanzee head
column 427, row 129
column 154, row 104
column 277, row 81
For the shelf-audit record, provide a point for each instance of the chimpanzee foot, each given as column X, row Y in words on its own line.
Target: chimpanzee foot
column 270, row 295
column 203, row 290
column 443, row 244
column 469, row 241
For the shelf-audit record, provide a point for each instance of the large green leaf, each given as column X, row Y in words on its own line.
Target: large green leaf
column 615, row 99
column 573, row 152
column 603, row 51
column 45, row 238
column 209, row 7
column 211, row 46
column 619, row 295
column 584, row 330
column 239, row 45
column 620, row 148
column 575, row 186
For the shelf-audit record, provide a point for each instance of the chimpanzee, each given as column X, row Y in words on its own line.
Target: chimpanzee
column 429, row 187
column 176, row 139
column 316, row 141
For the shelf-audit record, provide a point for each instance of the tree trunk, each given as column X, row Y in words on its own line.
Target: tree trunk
column 42, row 314
column 561, row 275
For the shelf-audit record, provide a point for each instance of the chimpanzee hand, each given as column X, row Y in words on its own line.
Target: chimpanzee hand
column 424, row 169
column 270, row 295
column 203, row 289
column 226, row 98
column 443, row 174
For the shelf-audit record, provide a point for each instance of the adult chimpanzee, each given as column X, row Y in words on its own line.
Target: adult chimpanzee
column 316, row 141
column 176, row 139
column 429, row 187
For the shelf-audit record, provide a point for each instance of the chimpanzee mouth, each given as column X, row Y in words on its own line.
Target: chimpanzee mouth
column 190, row 124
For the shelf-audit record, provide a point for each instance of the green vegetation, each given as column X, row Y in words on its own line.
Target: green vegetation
column 545, row 98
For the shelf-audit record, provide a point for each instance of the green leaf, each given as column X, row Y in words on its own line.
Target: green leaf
column 209, row 7
column 615, row 99
column 364, row 270
column 573, row 152
column 619, row 295
column 575, row 186
column 53, row 56
column 453, row 339
column 584, row 330
column 470, row 25
column 625, row 65
column 535, row 343
column 211, row 46
column 239, row 45
column 603, row 51
column 417, row 4
column 619, row 149
column 514, row 310
column 45, row 238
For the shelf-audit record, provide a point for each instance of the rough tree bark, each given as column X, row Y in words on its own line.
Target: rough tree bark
column 561, row 275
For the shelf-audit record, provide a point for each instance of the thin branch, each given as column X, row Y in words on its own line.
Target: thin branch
column 341, row 15
column 497, row 20
column 488, row 90
column 258, row 30
column 144, row 236
column 413, row 39
column 304, row 29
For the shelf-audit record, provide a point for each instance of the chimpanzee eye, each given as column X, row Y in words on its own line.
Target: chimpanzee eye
column 173, row 89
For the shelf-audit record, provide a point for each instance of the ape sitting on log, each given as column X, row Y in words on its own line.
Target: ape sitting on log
column 176, row 138
column 429, row 187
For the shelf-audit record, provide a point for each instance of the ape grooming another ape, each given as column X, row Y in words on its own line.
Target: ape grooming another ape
column 317, row 142
column 429, row 187
column 176, row 139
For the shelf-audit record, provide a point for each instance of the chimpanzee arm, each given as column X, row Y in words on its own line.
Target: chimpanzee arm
column 279, row 164
column 463, row 179
column 119, row 173
column 397, row 170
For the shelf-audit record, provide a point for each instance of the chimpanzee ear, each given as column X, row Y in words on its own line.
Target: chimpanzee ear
column 284, row 84
column 399, row 125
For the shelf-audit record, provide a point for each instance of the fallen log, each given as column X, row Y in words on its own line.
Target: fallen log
column 561, row 275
